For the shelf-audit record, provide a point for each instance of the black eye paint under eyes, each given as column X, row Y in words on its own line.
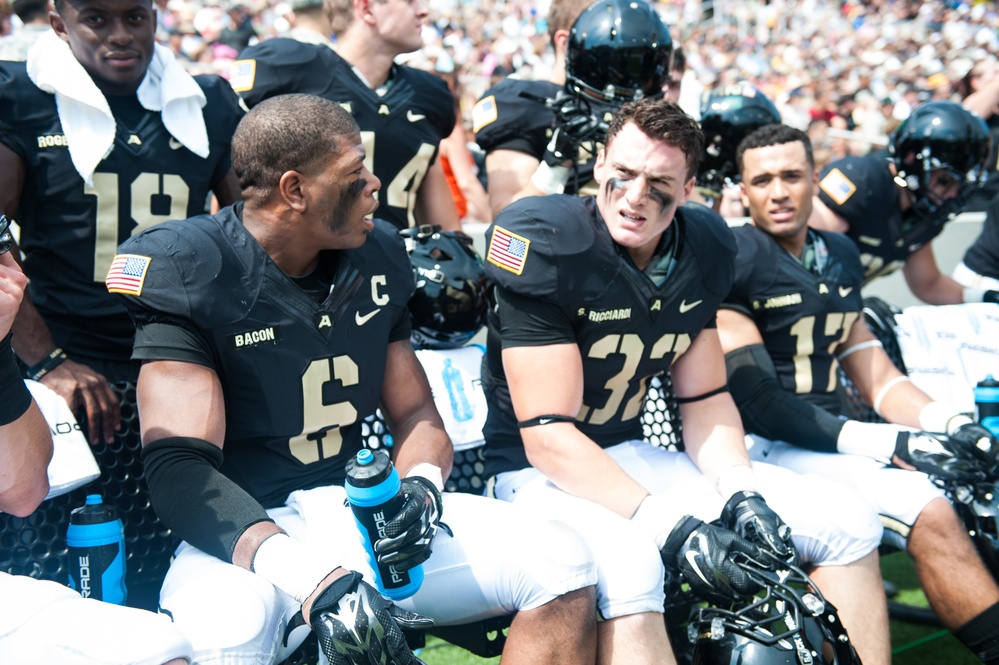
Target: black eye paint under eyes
column 348, row 195
column 664, row 200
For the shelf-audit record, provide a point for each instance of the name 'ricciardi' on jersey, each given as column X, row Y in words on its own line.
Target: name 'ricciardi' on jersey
column 589, row 292
column 401, row 128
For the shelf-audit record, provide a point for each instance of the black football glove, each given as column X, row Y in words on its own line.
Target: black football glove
column 409, row 535
column 938, row 457
column 972, row 441
column 748, row 514
column 703, row 554
column 357, row 626
column 575, row 124
column 991, row 296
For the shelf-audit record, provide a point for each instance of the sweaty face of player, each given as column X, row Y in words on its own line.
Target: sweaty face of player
column 777, row 187
column 400, row 23
column 642, row 182
column 112, row 39
column 348, row 194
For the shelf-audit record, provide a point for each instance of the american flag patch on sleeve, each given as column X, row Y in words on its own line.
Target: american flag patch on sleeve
column 508, row 250
column 241, row 75
column 127, row 273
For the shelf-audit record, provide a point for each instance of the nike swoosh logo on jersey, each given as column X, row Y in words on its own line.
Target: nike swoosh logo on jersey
column 361, row 320
column 845, row 291
column 175, row 144
column 692, row 557
column 414, row 117
column 684, row 307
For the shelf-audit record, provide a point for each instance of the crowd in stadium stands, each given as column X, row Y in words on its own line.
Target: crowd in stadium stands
column 857, row 66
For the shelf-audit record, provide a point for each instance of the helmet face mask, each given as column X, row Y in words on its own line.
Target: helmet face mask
column 940, row 136
column 618, row 51
column 728, row 115
column 449, row 305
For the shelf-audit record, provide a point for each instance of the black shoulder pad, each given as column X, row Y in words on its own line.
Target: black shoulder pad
column 710, row 239
column 533, row 241
column 503, row 114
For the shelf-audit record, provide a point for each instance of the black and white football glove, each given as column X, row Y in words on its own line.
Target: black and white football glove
column 409, row 534
column 703, row 553
column 972, row 441
column 357, row 626
column 748, row 514
column 576, row 124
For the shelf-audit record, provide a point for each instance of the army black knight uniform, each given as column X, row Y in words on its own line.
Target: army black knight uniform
column 401, row 129
column 70, row 231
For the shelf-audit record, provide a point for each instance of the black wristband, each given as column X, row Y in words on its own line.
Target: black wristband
column 991, row 296
column 545, row 420
column 15, row 398
column 46, row 364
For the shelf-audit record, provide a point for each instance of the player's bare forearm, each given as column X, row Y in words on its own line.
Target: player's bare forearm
column 25, row 452
column 713, row 436
column 32, row 340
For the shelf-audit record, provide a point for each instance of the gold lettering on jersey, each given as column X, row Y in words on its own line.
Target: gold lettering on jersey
column 782, row 301
column 383, row 110
column 133, row 139
column 823, row 289
column 657, row 305
column 581, row 312
column 379, row 281
column 325, row 321
column 868, row 240
column 348, row 107
column 252, row 337
column 610, row 315
column 53, row 141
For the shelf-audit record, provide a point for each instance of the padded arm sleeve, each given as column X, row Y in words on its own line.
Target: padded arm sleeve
column 769, row 410
column 191, row 497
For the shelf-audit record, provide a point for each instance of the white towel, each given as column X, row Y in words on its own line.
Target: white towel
column 84, row 112
column 73, row 463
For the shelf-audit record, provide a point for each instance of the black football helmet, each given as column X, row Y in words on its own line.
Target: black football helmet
column 940, row 135
column 449, row 305
column 618, row 51
column 728, row 115
column 788, row 623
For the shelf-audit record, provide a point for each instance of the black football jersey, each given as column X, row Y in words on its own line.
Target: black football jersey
column 70, row 230
column 401, row 130
column 557, row 251
column 298, row 376
column 983, row 255
column 505, row 119
column 863, row 192
column 801, row 316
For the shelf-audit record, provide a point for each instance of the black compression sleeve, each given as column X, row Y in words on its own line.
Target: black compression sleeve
column 769, row 410
column 191, row 497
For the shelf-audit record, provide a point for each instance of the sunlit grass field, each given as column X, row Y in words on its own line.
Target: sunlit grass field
column 911, row 644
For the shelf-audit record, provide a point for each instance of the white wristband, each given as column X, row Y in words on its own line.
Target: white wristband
column 290, row 566
column 973, row 294
column 430, row 472
column 869, row 344
column 657, row 515
column 734, row 479
column 875, row 440
column 550, row 179
column 941, row 418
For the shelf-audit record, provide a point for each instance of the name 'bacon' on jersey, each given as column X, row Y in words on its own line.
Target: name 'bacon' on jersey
column 402, row 123
column 802, row 316
column 70, row 230
column 862, row 191
column 320, row 365
column 564, row 280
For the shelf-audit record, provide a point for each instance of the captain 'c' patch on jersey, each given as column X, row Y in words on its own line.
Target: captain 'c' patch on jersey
column 837, row 186
column 483, row 113
column 127, row 274
column 508, row 250
column 241, row 75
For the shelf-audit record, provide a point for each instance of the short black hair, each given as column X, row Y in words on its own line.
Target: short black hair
column 662, row 120
column 775, row 134
column 285, row 133
column 30, row 10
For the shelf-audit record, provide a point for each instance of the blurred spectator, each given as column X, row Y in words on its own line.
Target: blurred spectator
column 34, row 16
column 239, row 32
column 311, row 23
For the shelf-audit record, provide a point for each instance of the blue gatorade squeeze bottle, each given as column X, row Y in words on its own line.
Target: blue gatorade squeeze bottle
column 96, row 540
column 373, row 490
